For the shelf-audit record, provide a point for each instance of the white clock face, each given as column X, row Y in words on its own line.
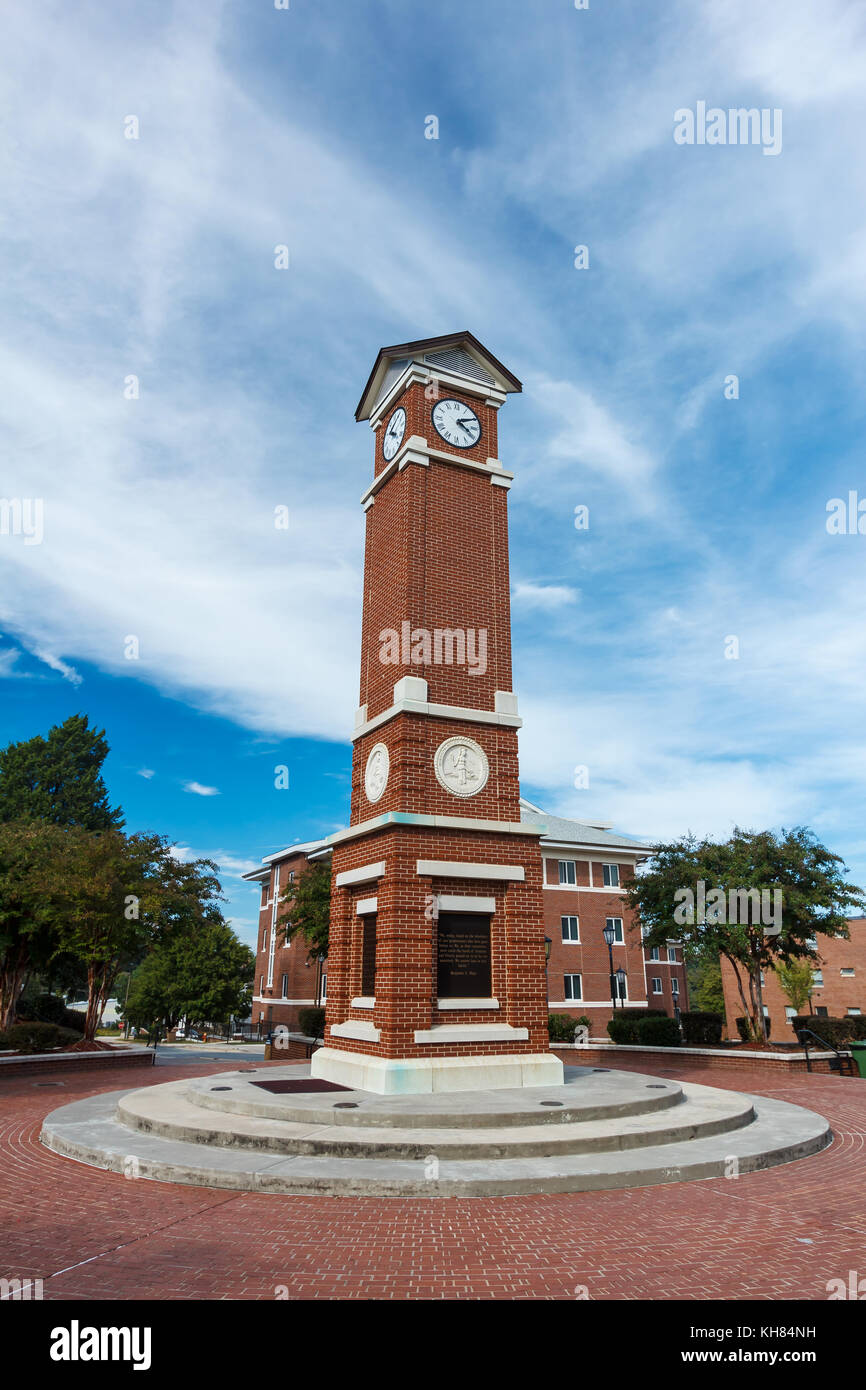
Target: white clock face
column 394, row 431
column 457, row 423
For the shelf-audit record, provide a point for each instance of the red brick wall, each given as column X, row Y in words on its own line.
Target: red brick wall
column 837, row 995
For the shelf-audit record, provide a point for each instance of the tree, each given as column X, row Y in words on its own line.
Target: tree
column 795, row 978
column 59, row 778
column 202, row 973
column 308, row 904
column 119, row 894
column 29, row 913
column 709, row 896
column 705, row 984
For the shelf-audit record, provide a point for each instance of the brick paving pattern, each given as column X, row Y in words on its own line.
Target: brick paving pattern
column 780, row 1234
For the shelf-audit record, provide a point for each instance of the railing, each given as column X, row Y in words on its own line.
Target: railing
column 843, row 1061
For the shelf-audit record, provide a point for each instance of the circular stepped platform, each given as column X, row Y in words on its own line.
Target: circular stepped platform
column 602, row 1129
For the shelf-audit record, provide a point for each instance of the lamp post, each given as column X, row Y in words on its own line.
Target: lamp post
column 609, row 935
column 547, row 945
column 621, row 979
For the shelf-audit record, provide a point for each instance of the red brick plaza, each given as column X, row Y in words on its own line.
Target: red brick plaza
column 777, row 1235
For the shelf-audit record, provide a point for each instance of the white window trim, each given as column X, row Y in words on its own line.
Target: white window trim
column 573, row 975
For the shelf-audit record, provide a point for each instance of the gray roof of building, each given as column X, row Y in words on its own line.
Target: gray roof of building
column 576, row 832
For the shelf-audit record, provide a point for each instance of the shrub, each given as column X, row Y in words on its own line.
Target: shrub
column 835, row 1031
column 641, row 1013
column 312, row 1022
column 701, row 1027
column 38, row 1037
column 560, row 1027
column 658, row 1032
column 50, row 1008
column 622, row 1030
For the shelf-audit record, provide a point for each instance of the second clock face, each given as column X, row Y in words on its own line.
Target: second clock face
column 394, row 431
column 457, row 423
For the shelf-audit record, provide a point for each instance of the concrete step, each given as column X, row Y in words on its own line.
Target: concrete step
column 170, row 1111
column 590, row 1093
column 89, row 1131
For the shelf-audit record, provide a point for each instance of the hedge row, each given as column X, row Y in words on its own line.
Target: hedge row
column 836, row 1031
column 701, row 1027
column 50, row 1008
column 650, row 1028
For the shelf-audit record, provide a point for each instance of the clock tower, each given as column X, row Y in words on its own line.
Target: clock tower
column 436, row 965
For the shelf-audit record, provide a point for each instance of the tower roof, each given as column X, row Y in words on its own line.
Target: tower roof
column 455, row 352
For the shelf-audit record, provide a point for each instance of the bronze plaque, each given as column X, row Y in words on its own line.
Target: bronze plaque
column 464, row 955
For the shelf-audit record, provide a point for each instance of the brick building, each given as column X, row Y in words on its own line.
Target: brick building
column 839, row 985
column 585, row 869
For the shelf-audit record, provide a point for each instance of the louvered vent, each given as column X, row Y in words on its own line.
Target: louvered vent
column 456, row 360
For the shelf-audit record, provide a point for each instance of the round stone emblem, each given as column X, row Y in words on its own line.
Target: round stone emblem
column 376, row 772
column 461, row 766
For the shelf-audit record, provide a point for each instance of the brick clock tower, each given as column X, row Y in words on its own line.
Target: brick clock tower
column 436, row 966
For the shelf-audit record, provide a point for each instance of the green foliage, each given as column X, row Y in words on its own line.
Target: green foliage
column 815, row 900
column 312, row 1022
column 50, row 1008
column 658, row 1032
column 560, row 1027
column 200, row 972
column 58, row 778
column 621, row 1029
column 308, row 908
column 700, row 1027
column 30, row 911
column 705, row 983
column 795, row 978
column 749, row 1033
column 37, row 1037
column 835, row 1031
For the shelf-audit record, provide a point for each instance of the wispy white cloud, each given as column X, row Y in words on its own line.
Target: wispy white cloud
column 199, row 790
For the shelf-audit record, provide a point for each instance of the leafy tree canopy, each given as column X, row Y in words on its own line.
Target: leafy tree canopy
column 308, row 904
column 58, row 778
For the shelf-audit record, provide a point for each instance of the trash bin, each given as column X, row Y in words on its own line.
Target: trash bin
column 858, row 1052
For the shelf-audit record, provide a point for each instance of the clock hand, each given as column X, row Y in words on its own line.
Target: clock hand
column 467, row 424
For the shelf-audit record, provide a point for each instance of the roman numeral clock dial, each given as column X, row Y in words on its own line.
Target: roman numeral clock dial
column 394, row 431
column 456, row 423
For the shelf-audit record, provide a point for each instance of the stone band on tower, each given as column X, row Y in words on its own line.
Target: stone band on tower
column 436, row 964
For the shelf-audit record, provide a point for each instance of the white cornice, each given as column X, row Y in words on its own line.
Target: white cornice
column 473, row 716
column 416, row 450
column 425, row 373
column 395, row 818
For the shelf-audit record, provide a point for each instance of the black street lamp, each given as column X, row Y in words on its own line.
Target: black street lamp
column 621, row 978
column 609, row 935
column 547, row 945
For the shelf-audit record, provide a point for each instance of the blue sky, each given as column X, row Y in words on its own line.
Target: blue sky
column 155, row 258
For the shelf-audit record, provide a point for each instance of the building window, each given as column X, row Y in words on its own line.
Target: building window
column 291, row 875
column 644, row 933
column 821, row 1011
column 567, row 871
column 675, row 986
column 324, row 990
column 570, row 928
column 262, row 985
column 657, row 984
column 573, row 988
column 616, row 923
column 264, row 895
column 654, row 953
column 284, row 988
column 611, row 875
column 672, row 955
column 854, row 1013
column 790, row 1012
column 817, row 978
column 847, row 970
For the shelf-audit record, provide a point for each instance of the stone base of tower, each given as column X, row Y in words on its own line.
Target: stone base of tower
column 391, row 1076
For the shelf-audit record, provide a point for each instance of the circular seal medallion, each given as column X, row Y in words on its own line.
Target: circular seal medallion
column 376, row 772
column 461, row 766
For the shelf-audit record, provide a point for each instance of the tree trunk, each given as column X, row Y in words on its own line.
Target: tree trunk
column 13, row 973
